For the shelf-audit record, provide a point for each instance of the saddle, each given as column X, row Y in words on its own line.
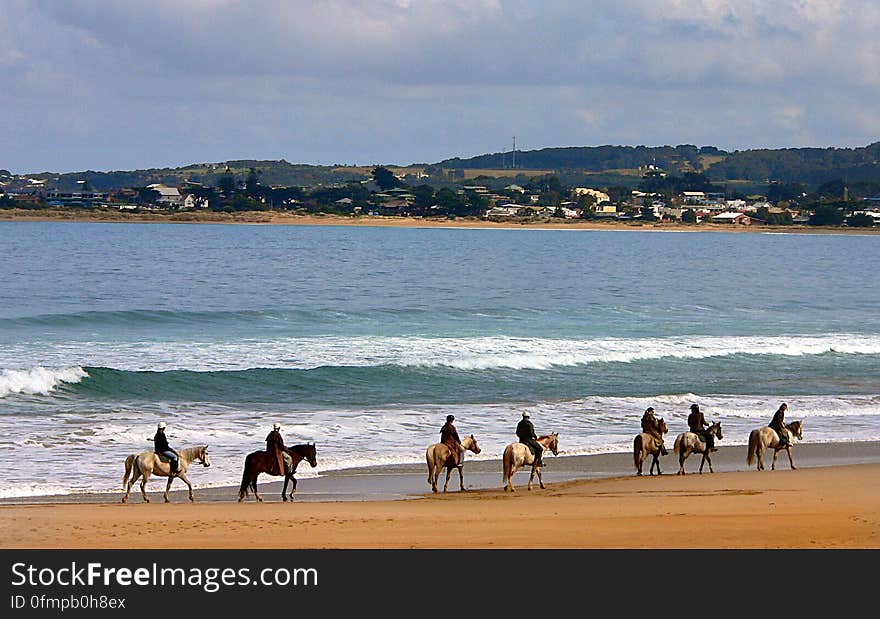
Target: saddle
column 164, row 458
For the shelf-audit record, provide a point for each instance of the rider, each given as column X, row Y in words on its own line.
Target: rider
column 449, row 437
column 525, row 431
column 161, row 447
column 778, row 424
column 697, row 424
column 651, row 426
column 275, row 445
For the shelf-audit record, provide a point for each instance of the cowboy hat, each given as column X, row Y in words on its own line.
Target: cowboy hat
column 161, row 425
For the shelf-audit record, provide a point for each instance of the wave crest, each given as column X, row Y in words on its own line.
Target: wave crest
column 38, row 380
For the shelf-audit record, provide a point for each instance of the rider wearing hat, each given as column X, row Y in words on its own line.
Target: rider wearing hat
column 698, row 424
column 449, row 437
column 161, row 447
column 275, row 446
column 651, row 426
column 778, row 424
column 525, row 432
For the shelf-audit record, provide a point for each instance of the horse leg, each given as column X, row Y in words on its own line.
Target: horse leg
column 292, row 486
column 144, row 487
column 775, row 455
column 709, row 460
column 254, row 486
column 167, row 488
column 532, row 475
column 682, row 455
column 790, row 461
column 137, row 473
column 703, row 461
column 284, row 489
column 540, row 479
column 461, row 477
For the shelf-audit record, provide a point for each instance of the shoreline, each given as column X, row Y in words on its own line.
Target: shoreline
column 287, row 218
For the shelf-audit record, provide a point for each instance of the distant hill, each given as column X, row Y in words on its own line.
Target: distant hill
column 271, row 173
column 811, row 166
column 748, row 170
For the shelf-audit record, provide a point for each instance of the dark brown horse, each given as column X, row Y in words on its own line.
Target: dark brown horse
column 264, row 462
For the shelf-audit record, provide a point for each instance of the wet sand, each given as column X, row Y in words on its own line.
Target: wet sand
column 831, row 501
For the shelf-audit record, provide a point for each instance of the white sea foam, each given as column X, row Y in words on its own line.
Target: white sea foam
column 38, row 380
column 476, row 353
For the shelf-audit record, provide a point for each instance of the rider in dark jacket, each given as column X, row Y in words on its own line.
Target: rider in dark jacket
column 698, row 424
column 778, row 424
column 161, row 447
column 449, row 437
column 525, row 431
column 275, row 447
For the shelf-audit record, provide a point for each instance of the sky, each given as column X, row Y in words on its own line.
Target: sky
column 123, row 84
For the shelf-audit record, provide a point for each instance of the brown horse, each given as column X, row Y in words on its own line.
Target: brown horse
column 264, row 462
column 645, row 445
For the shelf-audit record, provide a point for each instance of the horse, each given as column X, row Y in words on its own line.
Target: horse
column 645, row 444
column 264, row 462
column 687, row 443
column 149, row 463
column 762, row 438
column 518, row 454
column 437, row 456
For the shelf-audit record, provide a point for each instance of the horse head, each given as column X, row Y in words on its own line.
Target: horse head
column 474, row 447
column 797, row 429
column 661, row 423
column 716, row 428
column 311, row 454
column 203, row 456
column 554, row 443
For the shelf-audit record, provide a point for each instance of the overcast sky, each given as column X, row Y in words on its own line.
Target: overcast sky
column 119, row 84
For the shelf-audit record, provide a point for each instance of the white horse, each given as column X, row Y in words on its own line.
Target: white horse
column 687, row 443
column 518, row 454
column 762, row 438
column 437, row 456
column 645, row 445
column 149, row 463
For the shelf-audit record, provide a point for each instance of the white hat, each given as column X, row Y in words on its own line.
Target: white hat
column 526, row 414
column 276, row 426
column 162, row 425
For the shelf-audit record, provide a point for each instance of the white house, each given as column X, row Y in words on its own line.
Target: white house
column 732, row 218
column 168, row 196
column 191, row 201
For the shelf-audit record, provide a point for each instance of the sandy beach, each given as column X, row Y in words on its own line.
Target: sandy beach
column 293, row 219
column 831, row 501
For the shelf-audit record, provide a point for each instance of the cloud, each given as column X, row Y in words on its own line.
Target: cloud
column 92, row 83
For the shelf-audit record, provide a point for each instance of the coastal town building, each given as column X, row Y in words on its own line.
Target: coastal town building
column 168, row 196
column 740, row 219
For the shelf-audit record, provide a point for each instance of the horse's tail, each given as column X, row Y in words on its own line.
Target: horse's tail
column 754, row 437
column 242, row 492
column 637, row 449
column 506, row 458
column 129, row 462
column 677, row 445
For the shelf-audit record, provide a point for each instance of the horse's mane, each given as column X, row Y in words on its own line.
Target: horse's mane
column 301, row 447
column 793, row 424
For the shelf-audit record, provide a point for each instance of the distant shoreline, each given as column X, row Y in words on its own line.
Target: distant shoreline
column 287, row 218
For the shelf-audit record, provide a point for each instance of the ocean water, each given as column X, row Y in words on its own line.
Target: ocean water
column 364, row 339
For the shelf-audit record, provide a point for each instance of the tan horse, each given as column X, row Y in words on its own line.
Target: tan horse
column 518, row 454
column 766, row 437
column 687, row 443
column 437, row 456
column 148, row 463
column 645, row 445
